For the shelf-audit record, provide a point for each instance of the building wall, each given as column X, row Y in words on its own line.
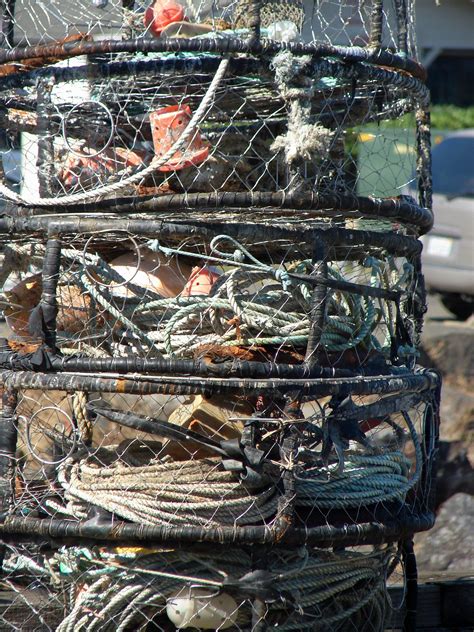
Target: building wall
column 444, row 31
column 447, row 25
column 41, row 22
column 445, row 34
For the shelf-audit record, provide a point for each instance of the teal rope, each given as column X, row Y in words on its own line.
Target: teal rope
column 115, row 312
column 263, row 318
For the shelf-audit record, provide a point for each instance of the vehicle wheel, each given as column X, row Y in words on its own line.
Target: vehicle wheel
column 457, row 305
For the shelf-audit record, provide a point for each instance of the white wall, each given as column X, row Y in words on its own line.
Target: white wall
column 439, row 23
column 41, row 21
column 449, row 24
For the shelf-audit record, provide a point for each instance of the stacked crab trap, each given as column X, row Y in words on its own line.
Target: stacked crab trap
column 212, row 415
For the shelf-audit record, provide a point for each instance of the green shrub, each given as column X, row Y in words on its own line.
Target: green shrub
column 443, row 117
column 451, row 117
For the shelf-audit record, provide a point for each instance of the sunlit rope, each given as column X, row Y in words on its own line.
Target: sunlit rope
column 267, row 317
column 320, row 588
column 155, row 164
column 180, row 492
column 169, row 492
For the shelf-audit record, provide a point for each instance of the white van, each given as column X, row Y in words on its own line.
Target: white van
column 448, row 252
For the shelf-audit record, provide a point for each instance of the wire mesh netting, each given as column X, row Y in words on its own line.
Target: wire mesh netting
column 122, row 294
column 212, row 415
column 139, row 586
column 98, row 122
column 100, row 137
column 347, row 23
column 155, row 471
column 78, row 450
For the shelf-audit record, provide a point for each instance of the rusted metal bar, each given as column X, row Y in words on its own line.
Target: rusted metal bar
column 324, row 536
column 45, row 161
column 317, row 315
column 8, row 439
column 423, row 157
column 221, row 45
column 329, row 205
column 48, row 306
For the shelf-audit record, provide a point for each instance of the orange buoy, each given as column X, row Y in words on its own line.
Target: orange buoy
column 200, row 281
column 167, row 276
column 162, row 13
column 167, row 125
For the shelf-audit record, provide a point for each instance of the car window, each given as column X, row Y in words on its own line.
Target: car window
column 453, row 170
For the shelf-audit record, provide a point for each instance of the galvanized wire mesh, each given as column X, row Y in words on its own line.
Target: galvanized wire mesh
column 212, row 415
column 192, row 294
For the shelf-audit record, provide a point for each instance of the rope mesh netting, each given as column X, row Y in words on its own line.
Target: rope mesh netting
column 212, row 414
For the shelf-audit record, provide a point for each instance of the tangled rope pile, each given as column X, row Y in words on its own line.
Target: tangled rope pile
column 267, row 304
column 251, row 303
column 126, row 586
column 201, row 492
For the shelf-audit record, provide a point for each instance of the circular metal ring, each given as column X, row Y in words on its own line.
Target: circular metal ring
column 28, row 424
column 137, row 266
column 109, row 139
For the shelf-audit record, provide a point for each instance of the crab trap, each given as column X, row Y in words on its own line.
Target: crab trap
column 212, row 414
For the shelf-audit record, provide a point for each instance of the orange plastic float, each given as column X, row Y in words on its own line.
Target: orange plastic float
column 162, row 13
column 167, row 276
column 200, row 281
column 167, row 125
column 79, row 169
column 74, row 307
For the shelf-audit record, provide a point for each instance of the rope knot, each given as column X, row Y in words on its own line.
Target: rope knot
column 283, row 277
column 238, row 256
column 154, row 245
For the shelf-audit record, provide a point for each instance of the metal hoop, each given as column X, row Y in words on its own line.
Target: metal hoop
column 109, row 139
column 126, row 281
column 28, row 424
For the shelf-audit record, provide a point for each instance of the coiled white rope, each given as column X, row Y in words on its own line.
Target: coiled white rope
column 164, row 492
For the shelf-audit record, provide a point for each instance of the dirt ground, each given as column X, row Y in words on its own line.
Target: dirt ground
column 448, row 346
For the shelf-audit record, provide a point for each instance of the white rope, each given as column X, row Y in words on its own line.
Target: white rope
column 199, row 492
column 155, row 164
column 165, row 492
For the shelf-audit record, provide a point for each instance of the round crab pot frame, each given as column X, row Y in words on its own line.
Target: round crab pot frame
column 361, row 452
column 212, row 415
column 346, row 298
column 255, row 588
column 244, row 133
column 327, row 463
column 272, row 115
